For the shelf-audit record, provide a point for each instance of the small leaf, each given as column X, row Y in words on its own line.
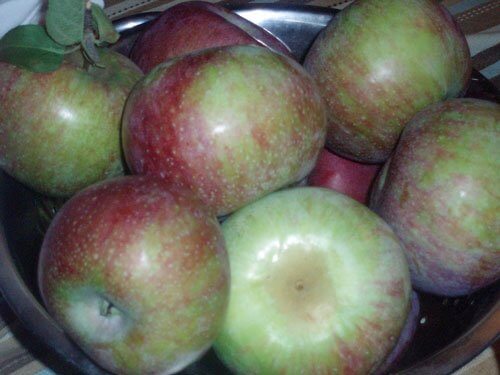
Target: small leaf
column 65, row 21
column 30, row 47
column 104, row 27
column 89, row 48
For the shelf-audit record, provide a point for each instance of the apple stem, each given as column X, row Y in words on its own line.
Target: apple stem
column 88, row 8
column 87, row 28
column 87, row 20
column 106, row 308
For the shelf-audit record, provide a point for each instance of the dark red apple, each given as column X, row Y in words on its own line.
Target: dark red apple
column 137, row 274
column 232, row 123
column 378, row 63
column 195, row 25
column 343, row 175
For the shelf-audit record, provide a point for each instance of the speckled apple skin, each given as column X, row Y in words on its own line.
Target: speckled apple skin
column 439, row 191
column 361, row 303
column 196, row 25
column 156, row 254
column 60, row 131
column 232, row 123
column 378, row 63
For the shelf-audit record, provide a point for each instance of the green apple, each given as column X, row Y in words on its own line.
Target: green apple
column 319, row 284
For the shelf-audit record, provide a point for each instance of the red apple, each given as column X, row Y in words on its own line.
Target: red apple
column 232, row 123
column 439, row 192
column 195, row 25
column 60, row 131
column 378, row 63
column 137, row 274
column 343, row 175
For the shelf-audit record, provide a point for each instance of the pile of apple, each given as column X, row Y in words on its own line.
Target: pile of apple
column 187, row 223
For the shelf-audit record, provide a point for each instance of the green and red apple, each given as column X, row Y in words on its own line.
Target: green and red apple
column 60, row 131
column 439, row 192
column 378, row 63
column 319, row 284
column 232, row 123
column 136, row 273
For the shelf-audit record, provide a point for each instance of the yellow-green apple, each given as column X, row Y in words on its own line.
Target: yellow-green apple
column 137, row 274
column 343, row 175
column 378, row 63
column 319, row 284
column 196, row 25
column 438, row 191
column 60, row 131
column 232, row 123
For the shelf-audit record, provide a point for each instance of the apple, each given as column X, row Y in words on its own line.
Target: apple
column 405, row 337
column 136, row 273
column 60, row 131
column 439, row 194
column 232, row 123
column 195, row 25
column 319, row 284
column 378, row 63
column 343, row 175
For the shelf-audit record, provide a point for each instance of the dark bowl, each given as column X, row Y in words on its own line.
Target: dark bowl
column 451, row 331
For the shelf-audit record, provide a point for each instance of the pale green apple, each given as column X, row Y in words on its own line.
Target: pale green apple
column 319, row 284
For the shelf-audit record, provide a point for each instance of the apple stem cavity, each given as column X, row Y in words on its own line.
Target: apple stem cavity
column 106, row 308
column 299, row 285
column 93, row 316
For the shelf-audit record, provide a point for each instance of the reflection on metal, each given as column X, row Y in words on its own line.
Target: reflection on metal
column 266, row 17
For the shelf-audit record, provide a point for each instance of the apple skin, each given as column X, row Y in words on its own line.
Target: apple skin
column 319, row 285
column 405, row 338
column 407, row 55
column 196, row 25
column 343, row 175
column 232, row 123
column 151, row 251
column 438, row 192
column 60, row 131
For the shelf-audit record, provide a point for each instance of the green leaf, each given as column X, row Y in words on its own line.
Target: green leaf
column 65, row 21
column 104, row 27
column 30, row 47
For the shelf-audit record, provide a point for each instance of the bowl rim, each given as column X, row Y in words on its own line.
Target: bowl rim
column 31, row 313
